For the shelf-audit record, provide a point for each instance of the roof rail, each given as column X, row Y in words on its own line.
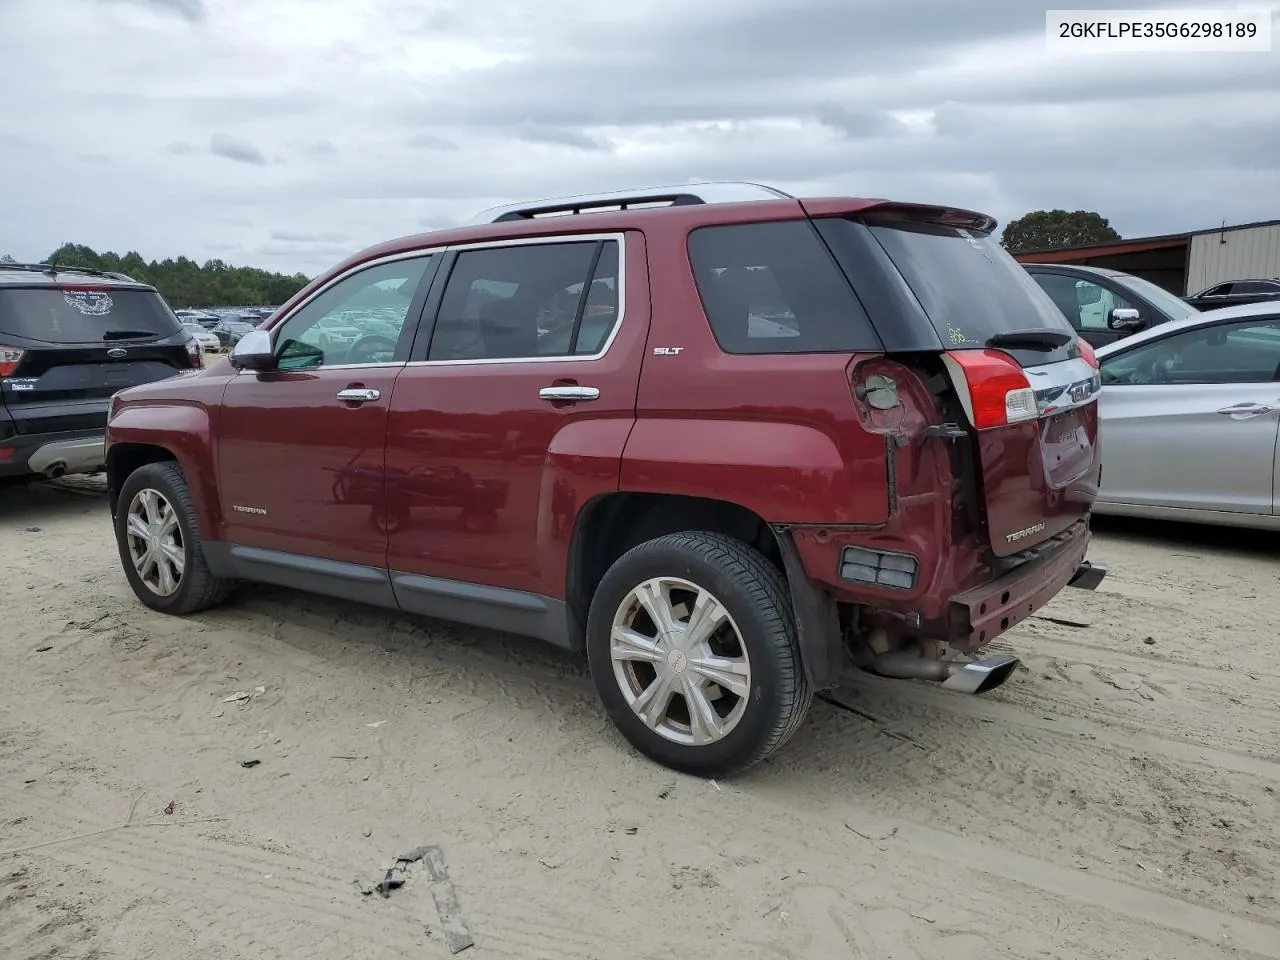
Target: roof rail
column 56, row 268
column 684, row 194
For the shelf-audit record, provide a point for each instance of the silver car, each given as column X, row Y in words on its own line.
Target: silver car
column 1190, row 417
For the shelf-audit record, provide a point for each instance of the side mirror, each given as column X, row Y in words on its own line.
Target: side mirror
column 1125, row 319
column 254, row 351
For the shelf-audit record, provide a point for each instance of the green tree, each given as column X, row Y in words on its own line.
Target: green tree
column 7, row 259
column 1051, row 229
column 185, row 283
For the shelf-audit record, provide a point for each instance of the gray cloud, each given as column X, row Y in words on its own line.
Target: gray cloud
column 429, row 141
column 190, row 10
column 234, row 148
column 291, row 236
column 559, row 136
column 389, row 117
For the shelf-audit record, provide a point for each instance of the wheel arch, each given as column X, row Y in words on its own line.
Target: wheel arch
column 124, row 458
column 609, row 525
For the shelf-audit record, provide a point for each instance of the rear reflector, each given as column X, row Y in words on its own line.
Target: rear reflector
column 994, row 390
column 878, row 568
column 10, row 357
column 6, row 453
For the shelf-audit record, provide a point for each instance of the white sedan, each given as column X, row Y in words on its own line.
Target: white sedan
column 1190, row 419
column 208, row 342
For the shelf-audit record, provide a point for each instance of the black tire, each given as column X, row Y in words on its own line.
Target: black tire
column 198, row 589
column 755, row 595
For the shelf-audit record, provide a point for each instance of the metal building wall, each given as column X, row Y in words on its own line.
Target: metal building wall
column 1233, row 255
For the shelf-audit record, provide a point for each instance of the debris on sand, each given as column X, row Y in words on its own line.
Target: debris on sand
column 456, row 935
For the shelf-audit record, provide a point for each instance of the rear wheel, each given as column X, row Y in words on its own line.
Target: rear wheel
column 691, row 641
column 159, row 543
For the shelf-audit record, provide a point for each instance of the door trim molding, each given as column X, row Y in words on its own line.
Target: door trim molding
column 457, row 601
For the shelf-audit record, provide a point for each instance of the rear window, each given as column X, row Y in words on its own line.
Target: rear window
column 968, row 285
column 774, row 288
column 85, row 315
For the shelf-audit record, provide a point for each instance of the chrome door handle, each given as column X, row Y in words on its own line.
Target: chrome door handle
column 1241, row 411
column 569, row 393
column 358, row 394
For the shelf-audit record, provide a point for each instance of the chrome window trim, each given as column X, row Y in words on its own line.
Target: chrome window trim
column 618, row 236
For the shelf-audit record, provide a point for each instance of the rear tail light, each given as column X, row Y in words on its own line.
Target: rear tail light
column 1087, row 354
column 6, row 453
column 195, row 352
column 10, row 357
column 994, row 390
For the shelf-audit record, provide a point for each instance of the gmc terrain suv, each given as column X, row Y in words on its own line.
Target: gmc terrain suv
column 70, row 338
column 720, row 439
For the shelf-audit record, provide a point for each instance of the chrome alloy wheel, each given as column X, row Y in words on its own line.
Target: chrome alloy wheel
column 155, row 542
column 680, row 661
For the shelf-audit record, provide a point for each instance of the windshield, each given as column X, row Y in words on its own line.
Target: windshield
column 1159, row 297
column 84, row 314
column 969, row 286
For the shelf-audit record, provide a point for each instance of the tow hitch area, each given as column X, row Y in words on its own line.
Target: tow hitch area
column 1088, row 575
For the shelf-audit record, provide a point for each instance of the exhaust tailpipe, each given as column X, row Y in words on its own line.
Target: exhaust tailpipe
column 979, row 676
column 56, row 469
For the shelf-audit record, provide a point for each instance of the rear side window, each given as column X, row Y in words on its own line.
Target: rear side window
column 529, row 301
column 85, row 314
column 774, row 288
column 968, row 285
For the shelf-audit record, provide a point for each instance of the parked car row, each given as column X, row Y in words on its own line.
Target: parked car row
column 552, row 422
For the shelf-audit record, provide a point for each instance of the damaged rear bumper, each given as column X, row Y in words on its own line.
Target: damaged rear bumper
column 980, row 615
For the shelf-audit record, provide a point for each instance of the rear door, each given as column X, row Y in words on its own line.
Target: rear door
column 66, row 348
column 1027, row 386
column 1191, row 419
column 513, row 414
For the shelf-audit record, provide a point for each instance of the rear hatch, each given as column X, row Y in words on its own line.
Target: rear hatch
column 66, row 348
column 1027, row 383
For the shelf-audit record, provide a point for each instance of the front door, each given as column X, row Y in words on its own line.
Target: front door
column 516, row 416
column 1191, row 420
column 301, row 449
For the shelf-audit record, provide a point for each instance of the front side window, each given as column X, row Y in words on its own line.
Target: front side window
column 1245, row 352
column 529, row 301
column 1085, row 303
column 358, row 320
column 1095, row 303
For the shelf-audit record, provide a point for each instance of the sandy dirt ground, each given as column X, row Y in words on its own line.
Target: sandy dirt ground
column 1117, row 798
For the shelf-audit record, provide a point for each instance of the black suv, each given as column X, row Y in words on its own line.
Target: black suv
column 69, row 339
column 1237, row 293
column 1106, row 305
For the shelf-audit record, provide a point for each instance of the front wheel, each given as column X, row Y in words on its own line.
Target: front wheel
column 159, row 543
column 691, row 640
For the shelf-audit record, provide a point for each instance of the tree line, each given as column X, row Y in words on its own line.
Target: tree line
column 185, row 283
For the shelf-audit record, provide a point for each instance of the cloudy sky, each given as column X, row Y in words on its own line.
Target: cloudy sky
column 289, row 133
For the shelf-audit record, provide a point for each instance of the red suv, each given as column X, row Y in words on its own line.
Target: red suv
column 720, row 439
